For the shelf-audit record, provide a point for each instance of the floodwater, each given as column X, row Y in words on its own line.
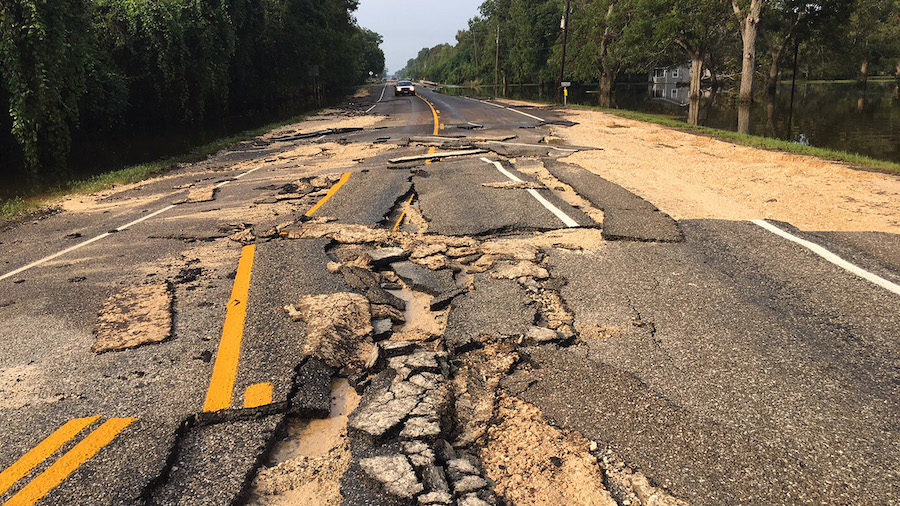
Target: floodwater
column 828, row 115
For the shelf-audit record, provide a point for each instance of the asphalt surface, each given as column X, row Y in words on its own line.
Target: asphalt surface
column 735, row 367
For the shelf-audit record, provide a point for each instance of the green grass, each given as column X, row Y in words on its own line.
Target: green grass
column 35, row 201
column 854, row 160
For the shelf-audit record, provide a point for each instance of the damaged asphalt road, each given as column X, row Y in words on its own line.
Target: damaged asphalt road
column 300, row 321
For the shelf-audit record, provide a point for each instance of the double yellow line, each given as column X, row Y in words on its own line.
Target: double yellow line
column 225, row 369
column 43, row 483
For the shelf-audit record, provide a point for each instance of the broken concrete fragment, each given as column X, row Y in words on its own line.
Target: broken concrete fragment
column 440, row 497
column 394, row 473
column 427, row 250
column 386, row 409
column 472, row 500
column 461, row 251
column 384, row 256
column 420, row 428
column 338, row 329
column 135, row 316
column 469, row 484
column 541, row 335
column 460, row 468
column 523, row 268
column 245, row 236
column 421, row 360
column 434, row 262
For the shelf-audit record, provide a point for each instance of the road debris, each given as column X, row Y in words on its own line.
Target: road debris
column 438, row 156
column 338, row 329
column 133, row 317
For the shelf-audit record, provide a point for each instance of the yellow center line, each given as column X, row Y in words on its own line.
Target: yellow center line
column 258, row 395
column 12, row 474
column 403, row 214
column 69, row 462
column 437, row 121
column 221, row 386
column 344, row 178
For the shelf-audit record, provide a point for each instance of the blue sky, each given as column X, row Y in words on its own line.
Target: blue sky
column 409, row 25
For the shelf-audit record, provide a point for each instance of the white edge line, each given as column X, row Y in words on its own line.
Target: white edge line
column 145, row 218
column 55, row 255
column 568, row 221
column 107, row 234
column 509, row 109
column 831, row 257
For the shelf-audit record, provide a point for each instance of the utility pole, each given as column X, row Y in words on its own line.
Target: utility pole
column 497, row 62
column 565, row 28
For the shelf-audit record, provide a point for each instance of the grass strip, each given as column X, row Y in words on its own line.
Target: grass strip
column 18, row 208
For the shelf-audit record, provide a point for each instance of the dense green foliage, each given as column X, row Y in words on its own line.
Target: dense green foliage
column 612, row 38
column 89, row 66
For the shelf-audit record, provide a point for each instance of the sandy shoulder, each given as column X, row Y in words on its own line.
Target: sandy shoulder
column 692, row 176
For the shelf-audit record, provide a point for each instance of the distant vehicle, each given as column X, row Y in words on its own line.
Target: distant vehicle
column 404, row 88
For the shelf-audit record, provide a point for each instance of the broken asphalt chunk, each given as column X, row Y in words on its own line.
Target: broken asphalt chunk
column 437, row 156
column 420, row 278
column 443, row 300
column 394, row 473
column 312, row 389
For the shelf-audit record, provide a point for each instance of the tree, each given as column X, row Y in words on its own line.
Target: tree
column 688, row 26
column 748, row 17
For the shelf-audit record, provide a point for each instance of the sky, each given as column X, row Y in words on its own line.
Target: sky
column 409, row 25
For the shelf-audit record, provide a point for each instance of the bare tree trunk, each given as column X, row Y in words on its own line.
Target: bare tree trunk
column 749, row 31
column 607, row 80
column 696, row 77
column 774, row 69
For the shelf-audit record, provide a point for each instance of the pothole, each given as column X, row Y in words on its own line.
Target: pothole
column 307, row 465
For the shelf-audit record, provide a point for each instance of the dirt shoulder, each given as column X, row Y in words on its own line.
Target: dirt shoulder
column 697, row 177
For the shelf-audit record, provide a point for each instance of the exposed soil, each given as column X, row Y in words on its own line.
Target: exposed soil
column 135, row 316
column 307, row 466
column 692, row 176
column 534, row 463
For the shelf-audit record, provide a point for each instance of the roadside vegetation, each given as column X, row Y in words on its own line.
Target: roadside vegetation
column 745, row 44
column 38, row 199
column 76, row 69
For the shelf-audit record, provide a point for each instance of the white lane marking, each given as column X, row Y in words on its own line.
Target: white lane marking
column 55, row 255
column 379, row 100
column 251, row 171
column 107, row 234
column 533, row 146
column 509, row 109
column 831, row 257
column 569, row 222
column 145, row 218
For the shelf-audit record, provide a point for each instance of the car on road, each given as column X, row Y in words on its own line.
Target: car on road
column 404, row 88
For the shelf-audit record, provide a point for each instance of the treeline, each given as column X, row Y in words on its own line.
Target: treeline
column 520, row 41
column 101, row 65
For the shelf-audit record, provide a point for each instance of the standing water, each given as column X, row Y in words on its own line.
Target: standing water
column 828, row 115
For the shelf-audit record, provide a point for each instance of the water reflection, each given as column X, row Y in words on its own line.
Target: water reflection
column 827, row 115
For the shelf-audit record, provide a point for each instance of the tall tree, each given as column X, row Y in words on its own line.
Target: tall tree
column 748, row 13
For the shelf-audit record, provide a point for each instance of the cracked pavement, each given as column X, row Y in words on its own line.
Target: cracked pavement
column 657, row 361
